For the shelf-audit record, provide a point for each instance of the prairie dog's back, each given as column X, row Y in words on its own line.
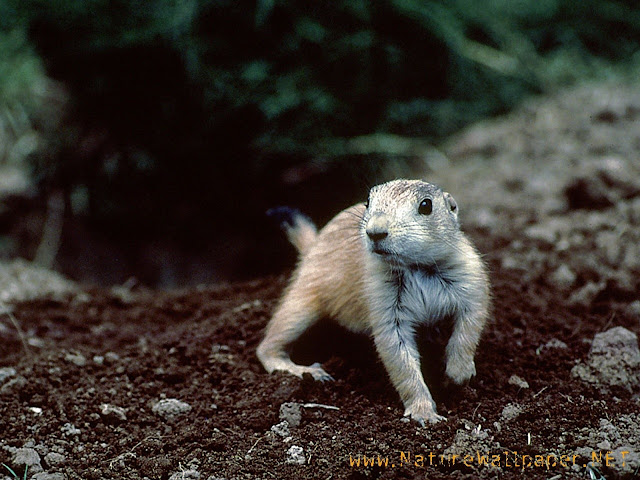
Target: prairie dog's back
column 332, row 271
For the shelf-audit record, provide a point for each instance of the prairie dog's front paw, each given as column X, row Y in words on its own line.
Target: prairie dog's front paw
column 460, row 371
column 423, row 412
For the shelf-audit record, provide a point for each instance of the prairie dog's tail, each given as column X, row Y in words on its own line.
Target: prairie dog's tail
column 300, row 230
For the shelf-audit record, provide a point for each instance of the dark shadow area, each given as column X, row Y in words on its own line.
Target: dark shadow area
column 170, row 129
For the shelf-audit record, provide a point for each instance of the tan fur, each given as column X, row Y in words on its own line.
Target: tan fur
column 422, row 270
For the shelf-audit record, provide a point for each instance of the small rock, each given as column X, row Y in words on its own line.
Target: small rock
column 281, row 429
column 633, row 309
column 76, row 358
column 511, row 412
column 586, row 294
column 217, row 348
column 563, row 277
column 170, row 407
column 186, row 475
column 113, row 411
column 609, row 244
column 35, row 342
column 295, row 455
column 486, row 218
column 13, row 385
column 248, row 305
column 6, row 372
column 291, row 413
column 29, row 458
column 614, row 359
column 510, row 262
column 518, row 382
column 70, row 430
column 49, row 476
column 98, row 360
column 542, row 233
column 550, row 345
column 111, row 357
column 555, row 343
column 471, row 438
column 53, row 459
column 615, row 174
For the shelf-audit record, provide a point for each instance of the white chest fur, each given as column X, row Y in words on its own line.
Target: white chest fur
column 407, row 298
column 423, row 297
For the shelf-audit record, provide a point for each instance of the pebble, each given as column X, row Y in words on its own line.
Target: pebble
column 170, row 407
column 614, row 359
column 295, row 455
column 28, row 457
column 511, row 412
column 586, row 294
column 518, row 382
column 542, row 233
column 563, row 277
column 70, row 430
column 76, row 358
column 13, row 385
column 291, row 413
column 111, row 357
column 281, row 429
column 53, row 458
column 49, row 476
column 113, row 411
column 550, row 345
column 633, row 309
column 6, row 372
column 186, row 475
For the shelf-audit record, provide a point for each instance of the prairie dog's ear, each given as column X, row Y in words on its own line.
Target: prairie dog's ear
column 451, row 203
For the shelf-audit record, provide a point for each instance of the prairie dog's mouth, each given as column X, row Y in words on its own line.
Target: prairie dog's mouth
column 387, row 255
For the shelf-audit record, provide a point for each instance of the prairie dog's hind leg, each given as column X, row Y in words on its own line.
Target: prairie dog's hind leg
column 292, row 318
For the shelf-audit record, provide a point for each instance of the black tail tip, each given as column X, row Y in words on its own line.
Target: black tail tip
column 284, row 216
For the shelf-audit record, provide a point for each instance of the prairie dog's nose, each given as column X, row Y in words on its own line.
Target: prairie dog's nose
column 377, row 228
column 377, row 235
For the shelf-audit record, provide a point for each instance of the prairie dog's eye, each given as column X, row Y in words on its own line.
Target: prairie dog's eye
column 426, row 207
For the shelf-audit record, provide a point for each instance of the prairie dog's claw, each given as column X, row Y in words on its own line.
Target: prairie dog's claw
column 318, row 373
column 423, row 414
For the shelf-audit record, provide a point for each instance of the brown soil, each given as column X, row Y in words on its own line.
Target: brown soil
column 130, row 348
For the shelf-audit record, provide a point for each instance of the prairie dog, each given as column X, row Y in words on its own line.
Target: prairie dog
column 384, row 267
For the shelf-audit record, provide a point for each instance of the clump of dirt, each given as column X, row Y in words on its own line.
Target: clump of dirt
column 614, row 359
column 139, row 384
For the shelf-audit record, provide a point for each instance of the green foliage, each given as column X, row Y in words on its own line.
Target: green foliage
column 409, row 66
column 14, row 474
column 347, row 67
column 22, row 81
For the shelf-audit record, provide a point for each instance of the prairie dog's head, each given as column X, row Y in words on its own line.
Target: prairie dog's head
column 410, row 223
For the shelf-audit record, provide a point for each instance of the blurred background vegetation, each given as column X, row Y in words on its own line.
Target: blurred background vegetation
column 154, row 127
